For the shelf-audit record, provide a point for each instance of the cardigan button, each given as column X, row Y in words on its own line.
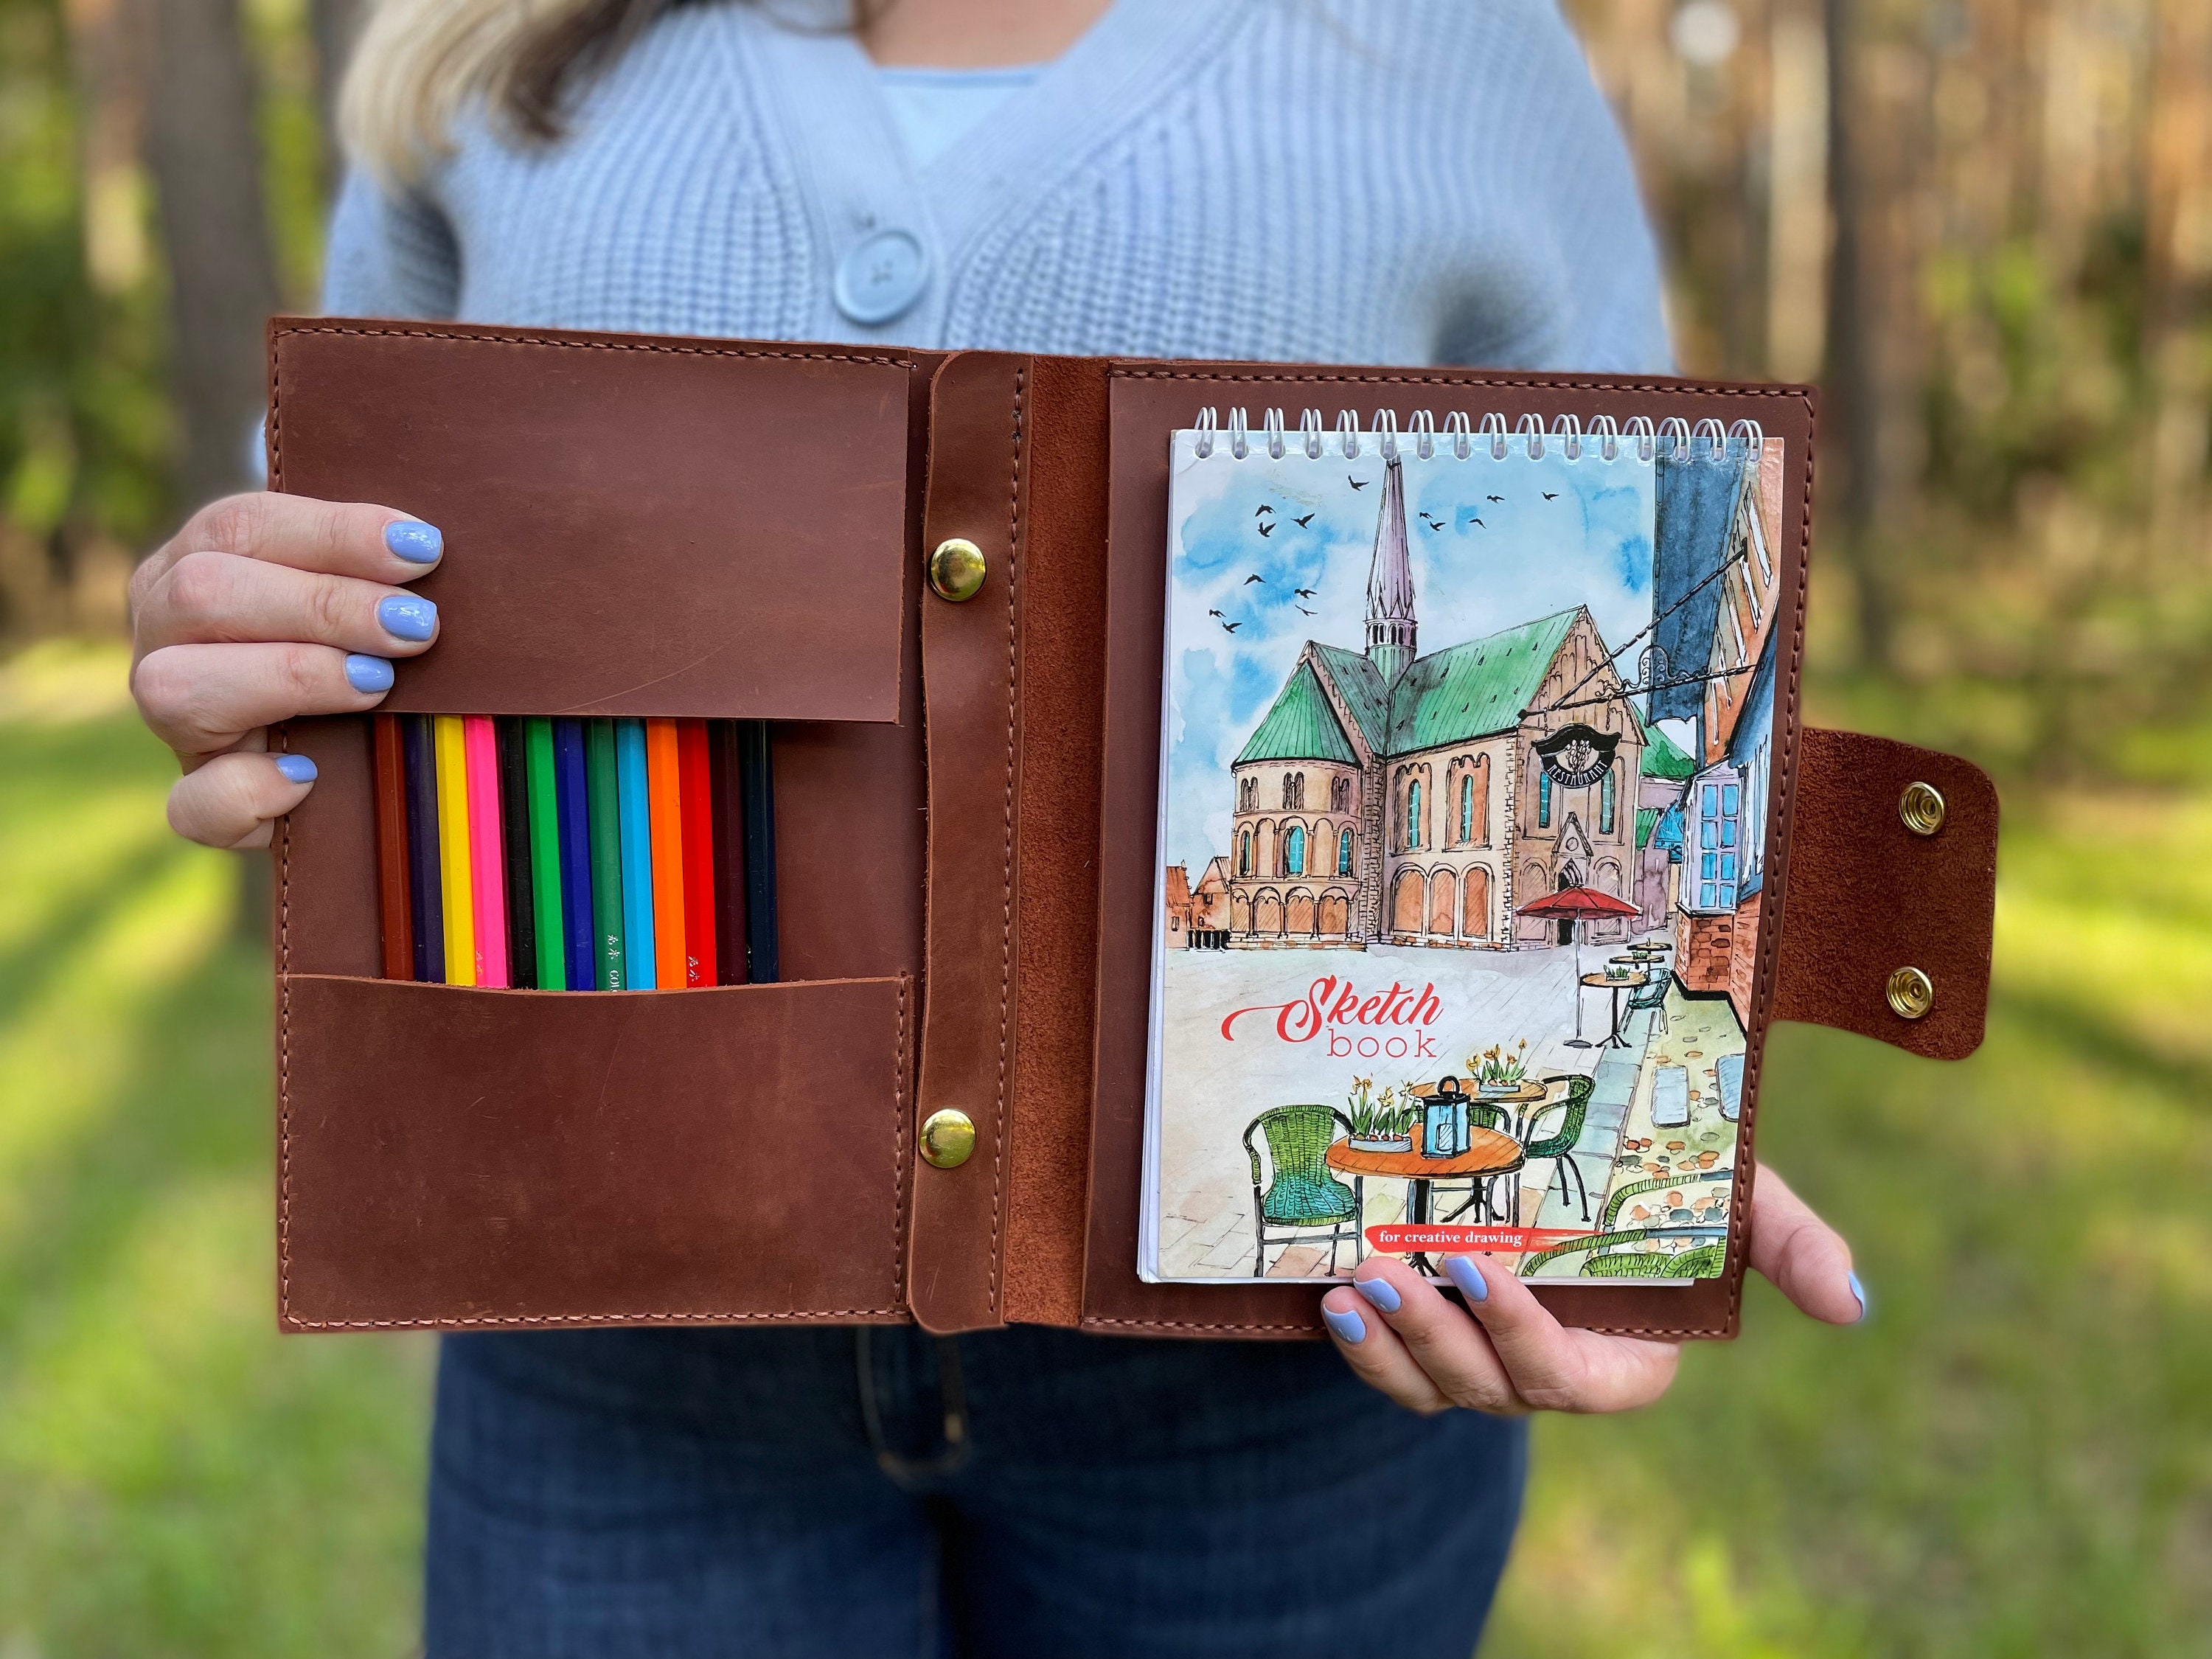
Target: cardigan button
column 880, row 276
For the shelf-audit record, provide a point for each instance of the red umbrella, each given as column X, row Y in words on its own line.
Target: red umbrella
column 1577, row 904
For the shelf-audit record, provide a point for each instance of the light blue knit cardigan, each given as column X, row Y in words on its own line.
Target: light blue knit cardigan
column 1384, row 181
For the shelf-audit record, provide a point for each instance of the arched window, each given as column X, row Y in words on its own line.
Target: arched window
column 1248, row 794
column 1414, row 814
column 1339, row 794
column 1466, row 808
column 1294, row 851
column 1608, row 807
column 1544, row 800
column 1344, row 853
column 1244, row 855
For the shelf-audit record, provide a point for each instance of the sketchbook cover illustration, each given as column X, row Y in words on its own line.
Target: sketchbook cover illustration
column 1467, row 745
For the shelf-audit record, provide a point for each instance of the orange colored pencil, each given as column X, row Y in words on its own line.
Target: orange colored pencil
column 665, row 798
column 699, row 964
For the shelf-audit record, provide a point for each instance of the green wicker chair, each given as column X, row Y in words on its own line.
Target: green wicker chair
column 1559, row 1145
column 1652, row 996
column 1301, row 1194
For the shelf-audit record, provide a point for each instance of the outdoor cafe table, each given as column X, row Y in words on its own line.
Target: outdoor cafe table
column 1626, row 982
column 1488, row 1153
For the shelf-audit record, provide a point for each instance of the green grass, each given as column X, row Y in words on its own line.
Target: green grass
column 2013, row 1457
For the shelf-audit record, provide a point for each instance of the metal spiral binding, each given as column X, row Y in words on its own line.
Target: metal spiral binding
column 1608, row 437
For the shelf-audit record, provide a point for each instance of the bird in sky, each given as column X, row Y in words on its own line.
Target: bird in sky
column 1268, row 529
column 1303, row 611
column 1433, row 523
column 1255, row 577
column 1551, row 494
column 1213, row 613
column 1230, row 628
column 1304, row 593
column 1308, row 519
column 1477, row 524
column 1499, row 499
column 1262, row 507
column 1353, row 481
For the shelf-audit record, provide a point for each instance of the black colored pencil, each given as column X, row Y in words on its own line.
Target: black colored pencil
column 514, row 852
column 727, row 793
column 425, row 891
column 757, row 773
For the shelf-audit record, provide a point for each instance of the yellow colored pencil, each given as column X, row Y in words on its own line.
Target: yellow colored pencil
column 453, row 849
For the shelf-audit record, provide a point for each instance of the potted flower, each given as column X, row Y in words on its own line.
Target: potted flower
column 1499, row 1071
column 1379, row 1124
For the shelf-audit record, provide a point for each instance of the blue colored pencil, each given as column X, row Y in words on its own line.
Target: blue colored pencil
column 636, row 855
column 425, row 902
column 572, row 793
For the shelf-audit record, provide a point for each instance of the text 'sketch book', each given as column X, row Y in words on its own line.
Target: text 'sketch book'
column 1464, row 778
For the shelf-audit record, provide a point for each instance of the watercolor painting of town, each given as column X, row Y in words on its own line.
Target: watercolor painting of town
column 1467, row 745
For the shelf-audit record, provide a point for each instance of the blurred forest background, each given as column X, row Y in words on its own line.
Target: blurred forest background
column 1984, row 226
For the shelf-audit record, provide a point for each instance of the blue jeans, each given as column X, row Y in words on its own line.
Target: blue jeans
column 1029, row 1492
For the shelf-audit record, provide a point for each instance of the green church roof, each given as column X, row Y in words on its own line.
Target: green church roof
column 1300, row 726
column 1662, row 758
column 1474, row 689
column 1362, row 688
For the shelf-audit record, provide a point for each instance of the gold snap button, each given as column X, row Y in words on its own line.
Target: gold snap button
column 1911, row 992
column 947, row 1138
column 957, row 568
column 1922, row 808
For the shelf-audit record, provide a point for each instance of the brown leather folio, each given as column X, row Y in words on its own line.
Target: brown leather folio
column 967, row 796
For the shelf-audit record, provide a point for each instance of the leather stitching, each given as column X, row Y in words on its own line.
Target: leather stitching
column 1007, row 808
column 1548, row 383
column 668, row 349
column 899, row 1110
column 284, row 1047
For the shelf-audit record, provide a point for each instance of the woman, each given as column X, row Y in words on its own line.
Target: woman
column 1402, row 181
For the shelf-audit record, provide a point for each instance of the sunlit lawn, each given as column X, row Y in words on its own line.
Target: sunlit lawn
column 2015, row 1457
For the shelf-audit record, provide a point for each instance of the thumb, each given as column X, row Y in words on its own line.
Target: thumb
column 1807, row 1258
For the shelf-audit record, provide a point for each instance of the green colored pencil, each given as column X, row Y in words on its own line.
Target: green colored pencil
column 604, row 794
column 545, row 853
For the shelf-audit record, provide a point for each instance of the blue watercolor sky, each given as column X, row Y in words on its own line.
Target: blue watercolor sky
column 1480, row 565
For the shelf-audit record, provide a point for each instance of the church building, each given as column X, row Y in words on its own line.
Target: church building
column 1389, row 797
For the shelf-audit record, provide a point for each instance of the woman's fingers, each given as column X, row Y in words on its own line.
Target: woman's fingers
column 229, row 801
column 224, row 598
column 1551, row 1367
column 202, row 699
column 1377, row 1354
column 344, row 539
column 1807, row 1258
column 1454, row 1352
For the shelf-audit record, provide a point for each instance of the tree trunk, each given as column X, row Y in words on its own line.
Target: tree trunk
column 1854, row 408
column 204, row 154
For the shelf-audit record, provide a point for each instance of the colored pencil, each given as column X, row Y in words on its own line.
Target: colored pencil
column 726, row 781
column 454, row 850
column 391, row 893
column 548, row 924
column 425, row 904
column 665, row 801
column 579, row 952
column 487, row 859
column 698, row 809
column 638, row 960
column 610, row 954
column 517, row 848
column 755, row 756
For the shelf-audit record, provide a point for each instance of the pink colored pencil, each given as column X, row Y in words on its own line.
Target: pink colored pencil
column 487, row 866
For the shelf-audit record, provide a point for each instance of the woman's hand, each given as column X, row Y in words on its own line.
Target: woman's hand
column 1404, row 1336
column 264, row 607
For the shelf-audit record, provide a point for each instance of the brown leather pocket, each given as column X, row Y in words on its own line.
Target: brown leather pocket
column 462, row 1157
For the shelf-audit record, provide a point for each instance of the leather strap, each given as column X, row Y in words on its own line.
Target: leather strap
column 970, row 658
column 1863, row 895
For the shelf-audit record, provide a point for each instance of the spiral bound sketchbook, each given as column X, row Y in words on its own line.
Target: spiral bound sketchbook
column 1464, row 805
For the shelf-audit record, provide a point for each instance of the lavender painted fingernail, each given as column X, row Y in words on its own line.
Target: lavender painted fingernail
column 1463, row 1272
column 1381, row 1291
column 408, row 617
column 296, row 768
column 368, row 673
column 414, row 541
column 1859, row 1290
column 1348, row 1325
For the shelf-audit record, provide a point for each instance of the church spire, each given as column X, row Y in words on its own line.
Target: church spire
column 1391, row 627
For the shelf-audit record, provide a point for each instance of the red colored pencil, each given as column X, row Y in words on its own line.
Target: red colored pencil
column 698, row 797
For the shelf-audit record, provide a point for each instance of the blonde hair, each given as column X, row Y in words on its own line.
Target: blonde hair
column 419, row 64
